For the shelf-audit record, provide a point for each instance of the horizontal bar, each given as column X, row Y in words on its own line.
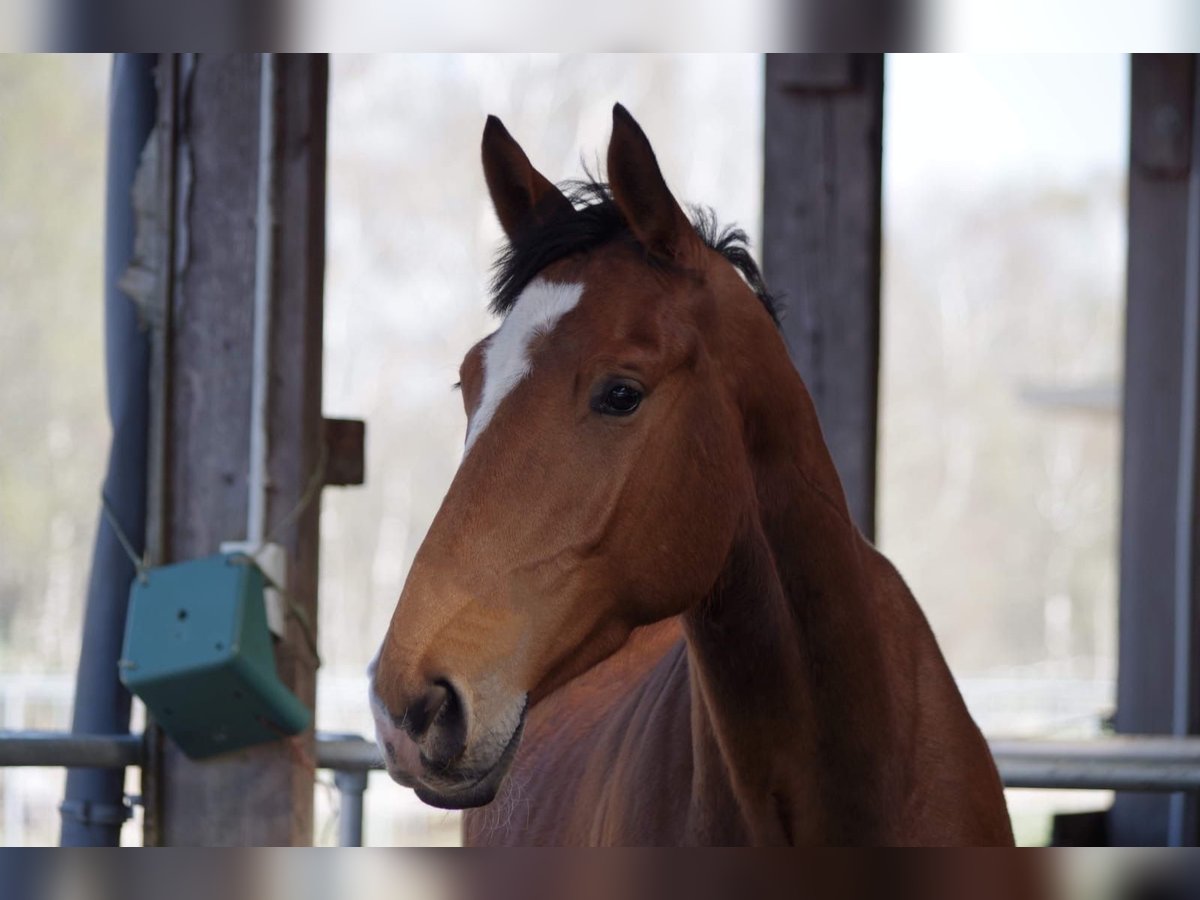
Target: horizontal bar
column 347, row 754
column 1119, row 748
column 72, row 751
column 58, row 749
column 1116, row 763
column 1085, row 775
column 1122, row 763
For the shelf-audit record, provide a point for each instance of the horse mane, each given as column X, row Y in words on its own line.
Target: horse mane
column 598, row 221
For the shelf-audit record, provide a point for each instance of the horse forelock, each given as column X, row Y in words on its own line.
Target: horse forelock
column 597, row 221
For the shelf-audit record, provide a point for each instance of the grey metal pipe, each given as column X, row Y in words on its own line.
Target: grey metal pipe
column 351, row 788
column 264, row 293
column 94, row 804
column 1110, row 749
column 1127, row 762
column 1075, row 774
column 347, row 754
column 56, row 749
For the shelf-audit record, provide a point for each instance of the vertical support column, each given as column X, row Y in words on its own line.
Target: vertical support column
column 263, row 795
column 1158, row 666
column 821, row 245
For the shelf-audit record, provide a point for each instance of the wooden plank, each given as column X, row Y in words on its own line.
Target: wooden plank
column 345, row 449
column 1160, row 141
column 260, row 796
column 815, row 71
column 296, row 425
column 821, row 244
column 1160, row 153
column 160, row 259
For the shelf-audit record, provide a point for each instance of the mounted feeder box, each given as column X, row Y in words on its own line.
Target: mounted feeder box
column 199, row 654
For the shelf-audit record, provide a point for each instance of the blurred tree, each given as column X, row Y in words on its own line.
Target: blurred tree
column 998, row 506
column 53, row 429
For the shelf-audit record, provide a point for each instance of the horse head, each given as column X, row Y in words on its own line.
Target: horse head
column 607, row 461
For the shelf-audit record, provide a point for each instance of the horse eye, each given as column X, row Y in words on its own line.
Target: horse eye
column 619, row 400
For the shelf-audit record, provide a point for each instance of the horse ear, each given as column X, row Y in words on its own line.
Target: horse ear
column 521, row 195
column 641, row 192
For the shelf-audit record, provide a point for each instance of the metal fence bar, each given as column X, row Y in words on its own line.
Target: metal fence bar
column 351, row 758
column 53, row 749
column 347, row 754
column 70, row 751
column 1075, row 774
column 1128, row 762
column 1141, row 763
column 1117, row 749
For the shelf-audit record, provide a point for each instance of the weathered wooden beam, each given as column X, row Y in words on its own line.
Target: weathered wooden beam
column 821, row 244
column 263, row 795
column 345, row 451
column 1156, row 343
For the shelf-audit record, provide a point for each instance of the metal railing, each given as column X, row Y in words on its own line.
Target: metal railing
column 1119, row 763
column 349, row 757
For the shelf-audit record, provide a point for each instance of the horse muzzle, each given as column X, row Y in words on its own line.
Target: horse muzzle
column 468, row 788
column 426, row 747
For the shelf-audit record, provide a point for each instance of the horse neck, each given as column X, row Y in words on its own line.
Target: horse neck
column 795, row 709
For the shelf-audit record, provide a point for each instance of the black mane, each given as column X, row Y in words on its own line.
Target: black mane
column 598, row 221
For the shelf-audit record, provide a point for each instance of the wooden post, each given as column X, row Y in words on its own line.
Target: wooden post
column 821, row 244
column 1158, row 538
column 210, row 128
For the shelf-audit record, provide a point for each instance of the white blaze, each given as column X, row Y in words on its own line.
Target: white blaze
column 506, row 357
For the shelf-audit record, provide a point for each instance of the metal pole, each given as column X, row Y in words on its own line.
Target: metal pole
column 1125, row 763
column 343, row 753
column 93, row 807
column 53, row 749
column 264, row 292
column 351, row 787
column 351, row 758
column 347, row 753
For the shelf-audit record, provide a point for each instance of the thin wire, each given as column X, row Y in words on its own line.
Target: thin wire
column 315, row 482
column 140, row 564
column 295, row 610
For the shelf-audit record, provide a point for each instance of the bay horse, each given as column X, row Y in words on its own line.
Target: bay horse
column 642, row 614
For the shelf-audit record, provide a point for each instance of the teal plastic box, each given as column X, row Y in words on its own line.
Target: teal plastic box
column 200, row 656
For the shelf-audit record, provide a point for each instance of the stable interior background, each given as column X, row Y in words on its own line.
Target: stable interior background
column 1004, row 247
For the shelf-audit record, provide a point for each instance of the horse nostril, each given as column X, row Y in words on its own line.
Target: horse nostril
column 437, row 722
column 421, row 712
column 446, row 735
